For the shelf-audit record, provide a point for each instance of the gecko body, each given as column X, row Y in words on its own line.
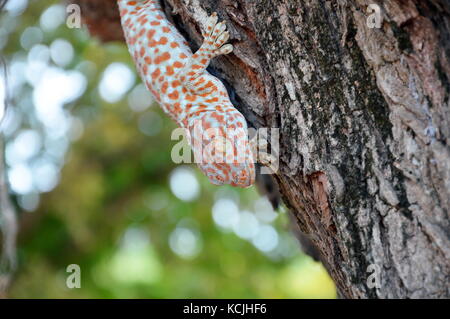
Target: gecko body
column 191, row 96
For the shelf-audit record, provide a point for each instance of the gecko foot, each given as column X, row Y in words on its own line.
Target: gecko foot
column 214, row 44
column 259, row 149
column 215, row 37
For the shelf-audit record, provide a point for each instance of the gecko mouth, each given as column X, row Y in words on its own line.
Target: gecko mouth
column 239, row 175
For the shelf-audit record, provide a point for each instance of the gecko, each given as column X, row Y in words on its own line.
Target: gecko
column 187, row 92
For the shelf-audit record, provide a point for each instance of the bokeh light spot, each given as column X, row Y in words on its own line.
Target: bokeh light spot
column 20, row 178
column 117, row 79
column 184, row 184
column 247, row 227
column 52, row 17
column 30, row 37
column 225, row 213
column 185, row 242
column 140, row 98
column 266, row 239
column 150, row 123
column 61, row 52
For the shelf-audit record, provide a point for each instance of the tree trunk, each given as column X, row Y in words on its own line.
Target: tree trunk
column 364, row 126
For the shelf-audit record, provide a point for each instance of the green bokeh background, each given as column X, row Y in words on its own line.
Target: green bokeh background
column 113, row 211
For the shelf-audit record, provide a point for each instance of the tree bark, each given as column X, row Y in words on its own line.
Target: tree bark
column 364, row 127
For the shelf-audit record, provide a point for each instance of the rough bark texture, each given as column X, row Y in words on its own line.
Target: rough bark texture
column 364, row 127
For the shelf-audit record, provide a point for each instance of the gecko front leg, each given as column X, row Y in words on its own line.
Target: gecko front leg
column 215, row 37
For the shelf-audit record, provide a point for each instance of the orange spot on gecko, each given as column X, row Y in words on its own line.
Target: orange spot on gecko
column 174, row 95
column 199, row 82
column 156, row 73
column 213, row 100
column 209, row 84
column 177, row 108
column 164, row 87
column 163, row 41
column 178, row 64
column 162, row 58
column 155, row 23
column 169, row 70
column 150, row 34
column 174, row 45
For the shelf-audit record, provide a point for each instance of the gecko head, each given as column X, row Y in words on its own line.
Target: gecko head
column 223, row 153
column 235, row 174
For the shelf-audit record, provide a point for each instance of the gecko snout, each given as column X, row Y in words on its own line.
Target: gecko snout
column 244, row 175
column 222, row 169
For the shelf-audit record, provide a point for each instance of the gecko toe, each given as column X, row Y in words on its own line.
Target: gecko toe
column 226, row 49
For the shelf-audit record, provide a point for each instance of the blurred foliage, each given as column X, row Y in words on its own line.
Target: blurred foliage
column 113, row 210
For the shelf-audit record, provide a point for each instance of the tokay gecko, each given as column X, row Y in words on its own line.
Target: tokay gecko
column 192, row 97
